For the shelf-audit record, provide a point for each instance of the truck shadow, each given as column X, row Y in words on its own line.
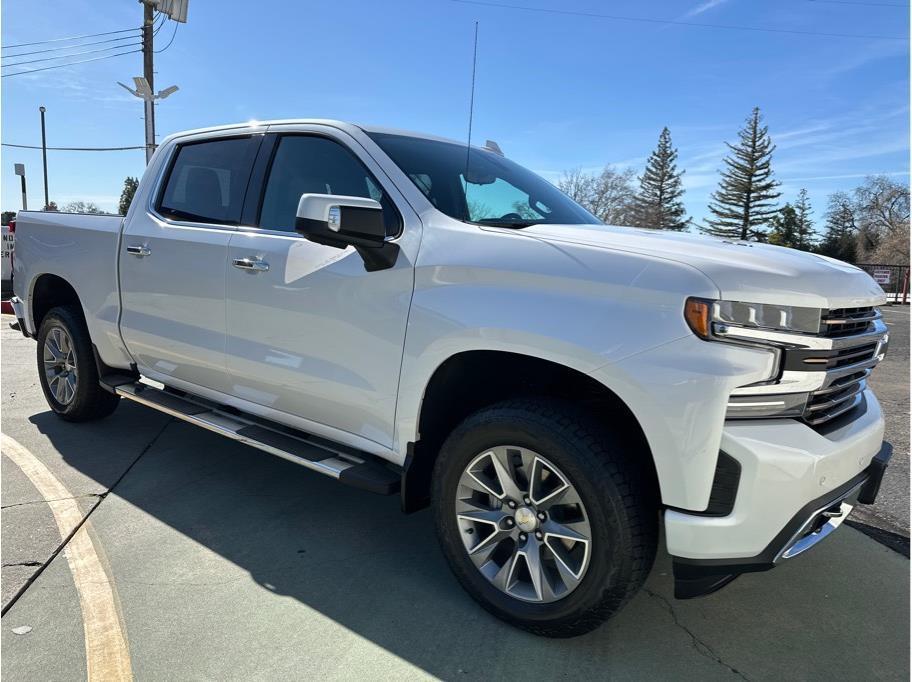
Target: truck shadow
column 356, row 559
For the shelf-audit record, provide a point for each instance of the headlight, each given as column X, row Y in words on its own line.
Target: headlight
column 756, row 325
column 709, row 319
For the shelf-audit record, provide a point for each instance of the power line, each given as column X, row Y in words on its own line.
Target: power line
column 80, row 61
column 59, row 40
column 176, row 24
column 674, row 22
column 65, row 56
column 159, row 15
column 73, row 149
column 70, row 47
column 865, row 4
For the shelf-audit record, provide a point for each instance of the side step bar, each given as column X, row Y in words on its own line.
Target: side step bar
column 358, row 469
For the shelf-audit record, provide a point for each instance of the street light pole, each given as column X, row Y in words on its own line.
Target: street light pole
column 44, row 159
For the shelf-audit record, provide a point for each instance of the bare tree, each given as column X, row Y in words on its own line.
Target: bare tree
column 81, row 207
column 609, row 195
column 882, row 218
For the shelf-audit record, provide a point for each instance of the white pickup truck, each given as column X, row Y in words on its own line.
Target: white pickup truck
column 411, row 316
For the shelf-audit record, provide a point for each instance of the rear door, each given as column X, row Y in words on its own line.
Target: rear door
column 311, row 333
column 174, row 256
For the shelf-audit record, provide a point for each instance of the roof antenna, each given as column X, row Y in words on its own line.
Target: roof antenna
column 471, row 110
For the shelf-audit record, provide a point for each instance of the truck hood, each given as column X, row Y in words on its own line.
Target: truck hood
column 743, row 271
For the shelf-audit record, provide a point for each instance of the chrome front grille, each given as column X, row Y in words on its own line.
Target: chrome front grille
column 821, row 376
column 840, row 396
column 847, row 321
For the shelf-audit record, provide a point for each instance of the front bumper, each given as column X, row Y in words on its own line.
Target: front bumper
column 797, row 485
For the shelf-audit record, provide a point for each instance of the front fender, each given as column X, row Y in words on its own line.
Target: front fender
column 578, row 306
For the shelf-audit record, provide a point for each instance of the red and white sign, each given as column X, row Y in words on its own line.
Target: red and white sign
column 881, row 275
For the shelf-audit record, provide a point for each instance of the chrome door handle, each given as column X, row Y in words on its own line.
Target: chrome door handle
column 140, row 251
column 254, row 264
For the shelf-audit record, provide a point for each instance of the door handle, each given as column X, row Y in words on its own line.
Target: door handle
column 139, row 251
column 252, row 264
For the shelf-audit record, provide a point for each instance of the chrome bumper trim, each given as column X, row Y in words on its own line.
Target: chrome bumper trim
column 815, row 529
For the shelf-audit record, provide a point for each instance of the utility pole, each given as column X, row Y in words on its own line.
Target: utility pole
column 44, row 159
column 147, row 50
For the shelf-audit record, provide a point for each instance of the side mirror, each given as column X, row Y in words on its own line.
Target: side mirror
column 342, row 221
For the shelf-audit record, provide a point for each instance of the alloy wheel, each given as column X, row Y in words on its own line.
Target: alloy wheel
column 523, row 524
column 60, row 365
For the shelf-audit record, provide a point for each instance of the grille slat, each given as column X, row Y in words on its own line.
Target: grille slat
column 819, row 402
column 847, row 321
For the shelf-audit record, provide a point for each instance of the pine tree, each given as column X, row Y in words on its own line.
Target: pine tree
column 126, row 197
column 805, row 232
column 745, row 200
column 840, row 236
column 658, row 203
column 786, row 227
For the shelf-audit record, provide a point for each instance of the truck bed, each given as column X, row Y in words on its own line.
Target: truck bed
column 82, row 250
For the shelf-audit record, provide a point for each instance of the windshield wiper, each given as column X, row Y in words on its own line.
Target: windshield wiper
column 507, row 223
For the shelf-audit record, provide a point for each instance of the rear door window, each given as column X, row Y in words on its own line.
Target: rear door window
column 208, row 180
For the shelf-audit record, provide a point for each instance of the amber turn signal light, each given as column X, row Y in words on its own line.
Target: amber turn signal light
column 697, row 313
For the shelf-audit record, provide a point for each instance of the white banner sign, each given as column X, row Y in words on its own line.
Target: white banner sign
column 7, row 251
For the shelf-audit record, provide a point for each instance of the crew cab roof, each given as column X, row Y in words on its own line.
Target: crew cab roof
column 342, row 125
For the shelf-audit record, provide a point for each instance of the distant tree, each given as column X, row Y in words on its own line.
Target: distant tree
column 804, row 238
column 7, row 216
column 126, row 197
column 81, row 207
column 658, row 203
column 51, row 206
column 745, row 200
column 882, row 216
column 840, row 235
column 608, row 195
column 785, row 228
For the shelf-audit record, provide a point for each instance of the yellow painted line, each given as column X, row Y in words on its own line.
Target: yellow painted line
column 107, row 654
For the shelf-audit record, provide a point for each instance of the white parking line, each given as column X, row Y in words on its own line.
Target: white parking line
column 107, row 654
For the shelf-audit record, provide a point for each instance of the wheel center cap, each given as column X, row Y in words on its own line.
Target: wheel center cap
column 525, row 519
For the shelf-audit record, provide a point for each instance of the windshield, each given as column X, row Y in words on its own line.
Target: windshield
column 493, row 191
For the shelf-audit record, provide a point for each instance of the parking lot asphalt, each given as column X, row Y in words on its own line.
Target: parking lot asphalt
column 890, row 382
column 225, row 563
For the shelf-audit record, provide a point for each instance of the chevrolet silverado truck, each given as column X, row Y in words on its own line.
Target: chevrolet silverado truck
column 415, row 316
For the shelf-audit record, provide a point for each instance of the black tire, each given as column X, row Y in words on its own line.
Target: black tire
column 90, row 401
column 613, row 483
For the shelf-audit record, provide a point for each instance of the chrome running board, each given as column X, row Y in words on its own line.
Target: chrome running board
column 358, row 469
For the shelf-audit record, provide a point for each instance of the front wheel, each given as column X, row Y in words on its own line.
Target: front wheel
column 546, row 519
column 67, row 370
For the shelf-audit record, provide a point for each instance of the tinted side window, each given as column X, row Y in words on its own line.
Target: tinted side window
column 316, row 165
column 208, row 180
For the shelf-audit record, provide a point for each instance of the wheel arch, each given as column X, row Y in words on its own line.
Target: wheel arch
column 471, row 380
column 49, row 291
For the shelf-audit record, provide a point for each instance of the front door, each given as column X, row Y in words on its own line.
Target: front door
column 311, row 333
column 173, row 257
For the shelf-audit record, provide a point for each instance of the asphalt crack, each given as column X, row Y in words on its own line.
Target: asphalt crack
column 22, row 563
column 698, row 644
column 58, row 499
column 100, row 498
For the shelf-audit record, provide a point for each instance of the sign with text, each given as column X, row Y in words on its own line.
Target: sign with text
column 881, row 275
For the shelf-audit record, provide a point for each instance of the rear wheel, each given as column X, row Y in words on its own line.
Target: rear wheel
column 67, row 370
column 546, row 519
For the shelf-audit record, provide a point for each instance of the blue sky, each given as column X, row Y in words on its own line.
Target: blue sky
column 556, row 91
